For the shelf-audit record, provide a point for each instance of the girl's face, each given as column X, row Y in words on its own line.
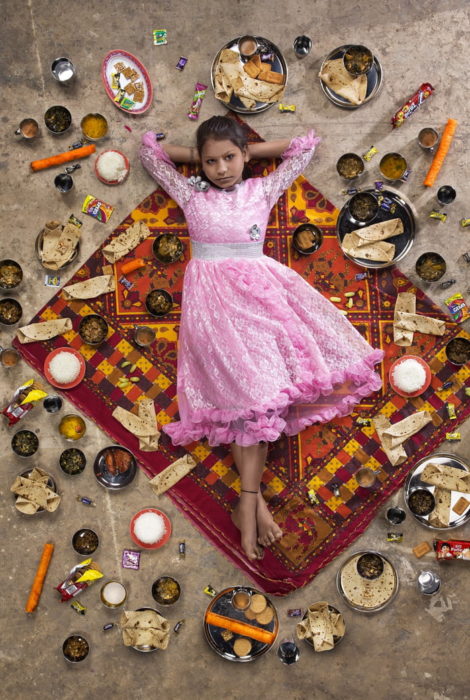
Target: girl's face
column 223, row 162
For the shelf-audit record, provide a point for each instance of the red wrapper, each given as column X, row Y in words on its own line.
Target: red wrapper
column 79, row 578
column 423, row 92
column 452, row 549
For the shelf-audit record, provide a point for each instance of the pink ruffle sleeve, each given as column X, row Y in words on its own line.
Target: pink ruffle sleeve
column 160, row 166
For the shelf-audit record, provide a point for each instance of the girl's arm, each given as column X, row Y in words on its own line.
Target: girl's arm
column 268, row 149
column 161, row 167
column 180, row 154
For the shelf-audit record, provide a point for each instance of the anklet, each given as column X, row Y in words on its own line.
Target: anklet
column 245, row 491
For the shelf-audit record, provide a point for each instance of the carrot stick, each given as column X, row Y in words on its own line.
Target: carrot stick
column 38, row 582
column 132, row 265
column 446, row 140
column 66, row 157
column 240, row 628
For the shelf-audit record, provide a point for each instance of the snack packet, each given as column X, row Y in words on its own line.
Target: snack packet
column 23, row 401
column 458, row 308
column 452, row 549
column 80, row 577
column 96, row 208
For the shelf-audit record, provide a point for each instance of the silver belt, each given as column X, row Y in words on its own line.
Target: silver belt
column 218, row 251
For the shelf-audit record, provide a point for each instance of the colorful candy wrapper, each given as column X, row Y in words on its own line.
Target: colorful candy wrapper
column 199, row 94
column 52, row 280
column 424, row 91
column 313, row 498
column 159, row 37
column 361, row 276
column 23, row 400
column 447, row 284
column 457, row 307
column 452, row 549
column 178, row 626
column 368, row 155
column 86, row 501
column 160, row 136
column 447, row 385
column 73, row 220
column 453, row 436
column 211, row 592
column 466, row 256
column 438, row 215
column 127, row 103
column 181, row 63
column 80, row 577
column 394, row 536
column 451, row 411
column 97, row 209
column 115, row 84
column 465, row 222
column 130, row 559
column 363, row 421
column 126, row 283
column 182, row 549
column 466, row 391
column 108, row 626
column 286, row 108
column 78, row 607
column 294, row 612
column 378, row 185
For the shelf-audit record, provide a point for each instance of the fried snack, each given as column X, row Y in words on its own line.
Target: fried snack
column 271, row 76
column 253, row 67
column 461, row 506
column 265, row 617
column 305, row 239
column 258, row 603
column 242, row 646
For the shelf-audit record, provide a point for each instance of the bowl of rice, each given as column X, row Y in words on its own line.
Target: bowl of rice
column 150, row 528
column 409, row 376
column 64, row 368
column 112, row 167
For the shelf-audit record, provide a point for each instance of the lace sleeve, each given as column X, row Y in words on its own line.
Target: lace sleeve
column 162, row 169
column 295, row 159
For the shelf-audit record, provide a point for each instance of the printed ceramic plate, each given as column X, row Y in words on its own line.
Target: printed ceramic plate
column 108, row 68
column 374, row 81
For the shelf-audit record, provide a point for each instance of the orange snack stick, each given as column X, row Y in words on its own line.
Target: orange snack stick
column 36, row 588
column 74, row 154
column 240, row 628
column 132, row 265
column 438, row 160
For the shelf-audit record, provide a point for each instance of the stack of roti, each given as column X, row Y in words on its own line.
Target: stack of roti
column 44, row 330
column 335, row 75
column 59, row 244
column 231, row 79
column 320, row 626
column 127, row 241
column 93, row 287
column 369, row 243
column 144, row 628
column 393, row 436
column 143, row 426
column 33, row 493
column 446, row 479
column 406, row 321
column 364, row 593
column 172, row 474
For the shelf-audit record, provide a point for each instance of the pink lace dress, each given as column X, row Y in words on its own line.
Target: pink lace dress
column 260, row 352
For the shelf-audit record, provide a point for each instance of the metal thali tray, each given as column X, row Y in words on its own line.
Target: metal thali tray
column 413, row 482
column 383, row 589
column 402, row 242
column 374, row 81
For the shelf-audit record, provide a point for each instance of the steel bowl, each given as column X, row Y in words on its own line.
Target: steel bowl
column 82, row 329
column 318, row 238
column 9, row 267
column 154, row 297
column 58, row 120
column 8, row 307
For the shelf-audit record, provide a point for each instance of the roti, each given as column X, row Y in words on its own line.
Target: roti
column 365, row 593
column 335, row 75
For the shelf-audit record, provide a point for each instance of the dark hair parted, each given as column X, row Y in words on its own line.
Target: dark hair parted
column 221, row 129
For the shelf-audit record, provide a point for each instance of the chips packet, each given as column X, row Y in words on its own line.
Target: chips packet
column 96, row 208
column 23, row 401
column 80, row 577
column 458, row 308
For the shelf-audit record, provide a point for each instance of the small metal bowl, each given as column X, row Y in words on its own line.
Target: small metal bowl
column 62, row 69
column 245, row 39
column 370, row 566
column 166, row 597
column 336, row 638
column 317, row 238
column 79, row 429
column 57, row 120
column 105, row 601
column 159, row 302
column 363, row 207
column 85, row 541
column 93, row 320
column 396, row 158
column 358, row 59
column 173, row 245
column 72, row 461
column 430, row 267
column 75, row 648
column 395, row 515
column 350, row 166
column 94, row 115
column 421, row 502
column 11, row 274
column 458, row 351
column 10, row 311
column 19, row 437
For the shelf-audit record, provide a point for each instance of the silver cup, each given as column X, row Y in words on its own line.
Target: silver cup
column 62, row 69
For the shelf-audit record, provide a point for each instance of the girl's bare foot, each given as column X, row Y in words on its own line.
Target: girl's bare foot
column 268, row 531
column 244, row 518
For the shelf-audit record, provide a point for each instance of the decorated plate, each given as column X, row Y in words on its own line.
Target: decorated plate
column 115, row 467
column 54, row 382
column 131, row 74
column 374, row 81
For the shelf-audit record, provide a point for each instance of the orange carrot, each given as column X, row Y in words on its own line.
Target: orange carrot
column 132, row 265
column 446, row 140
column 38, row 582
column 66, row 157
column 240, row 628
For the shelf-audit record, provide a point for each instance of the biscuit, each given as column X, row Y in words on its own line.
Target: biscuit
column 421, row 549
column 461, row 506
column 258, row 603
column 266, row 616
column 242, row 646
column 252, row 69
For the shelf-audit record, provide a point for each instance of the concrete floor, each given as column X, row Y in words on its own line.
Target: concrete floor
column 416, row 648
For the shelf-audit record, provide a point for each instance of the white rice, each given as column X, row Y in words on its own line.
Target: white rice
column 112, row 166
column 409, row 376
column 64, row 367
column 149, row 528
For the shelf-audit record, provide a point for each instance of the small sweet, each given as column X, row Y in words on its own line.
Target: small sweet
column 457, row 307
column 159, row 37
column 453, row 436
column 130, row 559
column 286, row 108
column 126, row 283
column 467, row 391
column 451, row 411
column 108, row 626
column 421, row 549
column 178, row 626
column 182, row 549
column 294, row 612
column 447, row 284
column 52, row 280
column 181, row 63
column 447, row 385
column 211, row 592
column 160, row 135
column 465, row 222
column 438, row 215
column 368, row 155
column 394, row 536
column 461, row 505
column 313, row 498
column 199, row 94
column 78, row 607
column 405, row 112
column 361, row 276
column 86, row 501
column 378, row 185
column 466, row 257
column 350, row 191
column 97, row 209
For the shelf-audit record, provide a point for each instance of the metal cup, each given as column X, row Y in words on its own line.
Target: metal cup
column 428, row 139
column 302, row 46
column 9, row 357
column 429, row 583
column 248, row 46
column 63, row 182
column 144, row 336
column 365, row 477
column 62, row 69
column 400, row 161
column 28, row 128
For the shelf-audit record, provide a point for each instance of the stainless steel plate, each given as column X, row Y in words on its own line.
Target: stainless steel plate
column 279, row 65
column 336, row 639
column 372, row 583
column 403, row 242
column 374, row 81
column 112, row 478
column 222, row 605
column 38, row 248
column 413, row 482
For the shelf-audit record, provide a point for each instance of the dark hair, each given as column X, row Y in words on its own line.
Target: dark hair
column 221, row 129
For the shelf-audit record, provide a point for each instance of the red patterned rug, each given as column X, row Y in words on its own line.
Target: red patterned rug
column 321, row 460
